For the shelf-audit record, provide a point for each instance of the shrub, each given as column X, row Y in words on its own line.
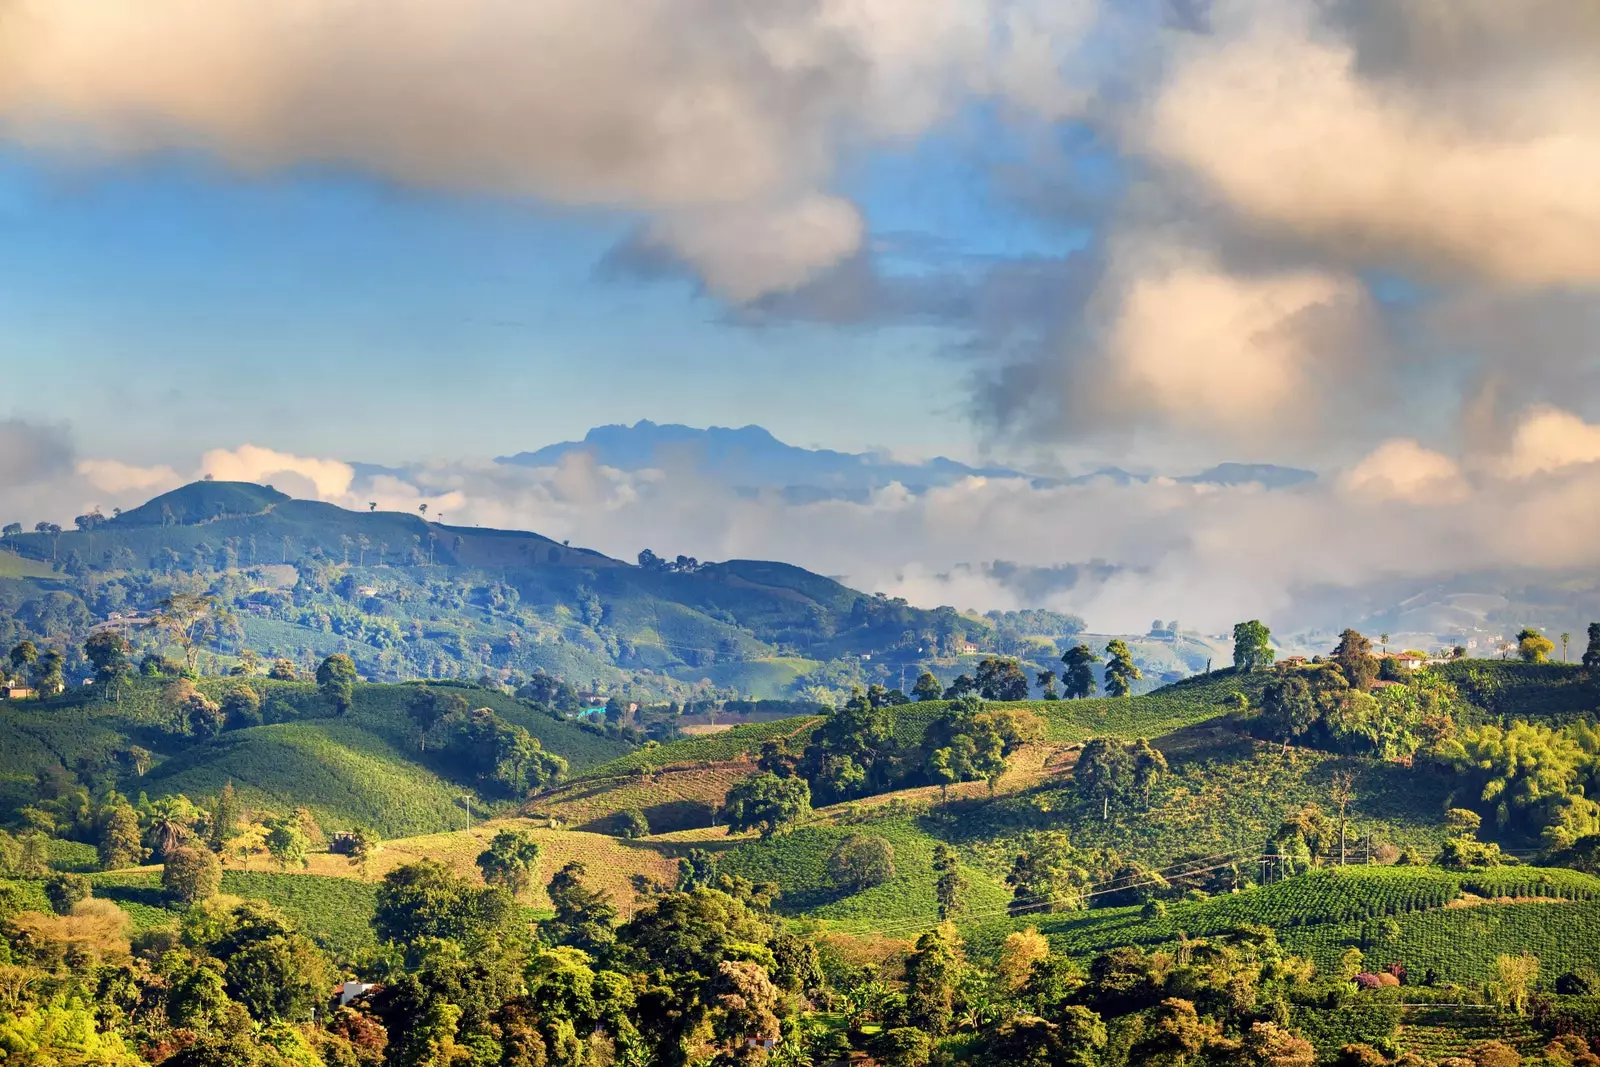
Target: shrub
column 631, row 823
column 65, row 890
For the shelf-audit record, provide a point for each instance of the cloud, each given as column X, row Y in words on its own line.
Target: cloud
column 1403, row 469
column 326, row 479
column 30, row 453
column 114, row 476
column 1210, row 349
column 1548, row 439
column 1281, row 124
column 708, row 116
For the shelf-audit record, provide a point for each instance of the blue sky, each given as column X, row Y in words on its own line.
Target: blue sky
column 166, row 303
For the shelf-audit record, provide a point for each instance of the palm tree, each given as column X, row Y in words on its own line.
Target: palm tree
column 1384, row 640
column 1566, row 639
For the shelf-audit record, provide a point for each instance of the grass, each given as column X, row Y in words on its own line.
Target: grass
column 671, row 800
column 612, row 862
column 15, row 566
column 336, row 912
column 343, row 774
column 798, row 862
column 741, row 741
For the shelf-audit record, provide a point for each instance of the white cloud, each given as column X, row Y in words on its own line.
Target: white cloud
column 327, row 479
column 1213, row 350
column 682, row 109
column 114, row 476
column 1278, row 118
column 1403, row 469
column 1548, row 439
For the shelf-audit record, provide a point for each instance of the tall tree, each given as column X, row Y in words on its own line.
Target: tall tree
column 947, row 881
column 1121, row 671
column 1252, row 646
column 1077, row 679
column 108, row 651
column 1001, row 679
column 1047, row 685
column 1591, row 653
column 1354, row 656
column 1288, row 708
column 336, row 679
column 1105, row 772
column 927, row 687
column 191, row 620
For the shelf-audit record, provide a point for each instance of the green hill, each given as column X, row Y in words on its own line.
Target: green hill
column 409, row 598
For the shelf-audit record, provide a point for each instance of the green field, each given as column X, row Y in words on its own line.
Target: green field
column 336, row 912
column 1393, row 914
column 798, row 862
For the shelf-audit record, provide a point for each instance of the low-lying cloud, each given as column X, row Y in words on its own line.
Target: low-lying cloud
column 1119, row 554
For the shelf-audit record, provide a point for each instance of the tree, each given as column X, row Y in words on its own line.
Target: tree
column 927, row 687
column 1149, row 767
column 1105, row 771
column 65, row 891
column 1077, row 679
column 283, row 671
column 1533, row 646
column 766, row 803
column 336, row 678
column 862, row 861
column 1047, row 685
column 364, row 843
column 1514, row 979
column 584, row 918
column 428, row 899
column 224, row 820
column 190, row 875
column 108, row 651
column 241, row 707
column 1121, row 672
column 47, row 676
column 1354, row 656
column 120, row 841
column 1342, row 791
column 947, row 880
column 1591, row 652
column 632, row 824
column 933, row 976
column 1252, row 646
column 282, row 976
column 1288, row 709
column 24, row 654
column 1046, row 875
column 1566, row 639
column 189, row 619
column 902, row 1046
column 287, row 844
column 511, row 861
column 1018, row 953
column 1001, row 679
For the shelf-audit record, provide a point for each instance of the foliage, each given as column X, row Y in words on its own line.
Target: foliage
column 862, row 861
column 190, row 875
column 511, row 861
column 1252, row 646
column 766, row 803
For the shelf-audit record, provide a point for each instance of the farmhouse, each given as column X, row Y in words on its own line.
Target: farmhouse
column 17, row 692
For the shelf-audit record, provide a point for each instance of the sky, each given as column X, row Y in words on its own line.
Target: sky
column 1361, row 236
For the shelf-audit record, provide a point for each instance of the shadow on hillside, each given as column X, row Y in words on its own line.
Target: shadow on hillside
column 667, row 817
column 147, row 895
column 1215, row 740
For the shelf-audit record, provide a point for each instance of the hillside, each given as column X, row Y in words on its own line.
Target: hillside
column 407, row 597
